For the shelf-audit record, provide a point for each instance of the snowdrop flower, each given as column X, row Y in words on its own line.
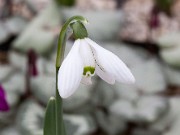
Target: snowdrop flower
column 3, row 103
column 85, row 59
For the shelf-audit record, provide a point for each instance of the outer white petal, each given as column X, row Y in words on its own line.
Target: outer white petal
column 98, row 70
column 112, row 64
column 107, row 77
column 86, row 54
column 70, row 73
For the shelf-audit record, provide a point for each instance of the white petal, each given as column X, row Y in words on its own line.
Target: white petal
column 86, row 80
column 70, row 73
column 112, row 64
column 86, row 54
column 107, row 77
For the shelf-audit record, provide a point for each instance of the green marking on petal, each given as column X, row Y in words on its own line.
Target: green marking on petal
column 88, row 69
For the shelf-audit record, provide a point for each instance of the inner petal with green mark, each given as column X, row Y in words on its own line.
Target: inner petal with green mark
column 88, row 71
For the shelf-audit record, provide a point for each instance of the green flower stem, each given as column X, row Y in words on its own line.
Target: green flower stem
column 62, row 38
column 60, row 129
column 53, row 122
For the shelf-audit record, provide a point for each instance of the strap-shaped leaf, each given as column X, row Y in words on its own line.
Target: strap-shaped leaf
column 50, row 118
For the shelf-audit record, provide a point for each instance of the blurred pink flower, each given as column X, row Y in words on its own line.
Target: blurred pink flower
column 3, row 102
column 32, row 66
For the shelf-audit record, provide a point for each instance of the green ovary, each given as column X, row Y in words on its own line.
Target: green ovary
column 88, row 70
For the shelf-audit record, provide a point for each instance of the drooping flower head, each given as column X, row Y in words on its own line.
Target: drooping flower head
column 85, row 59
column 3, row 102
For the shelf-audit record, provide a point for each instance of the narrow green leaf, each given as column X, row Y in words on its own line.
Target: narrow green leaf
column 50, row 118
